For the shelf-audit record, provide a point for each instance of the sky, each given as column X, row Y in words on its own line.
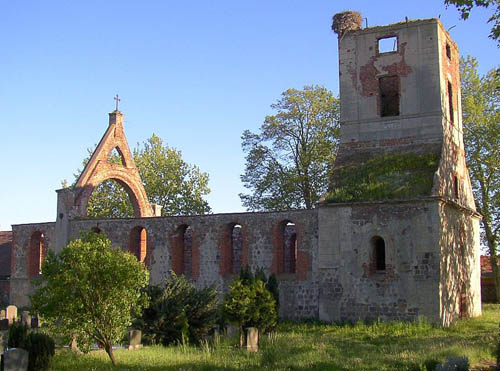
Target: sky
column 195, row 73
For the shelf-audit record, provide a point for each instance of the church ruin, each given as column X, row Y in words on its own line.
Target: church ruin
column 408, row 248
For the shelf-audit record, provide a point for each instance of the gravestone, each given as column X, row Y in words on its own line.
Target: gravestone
column 12, row 313
column 74, row 346
column 2, row 314
column 252, row 339
column 4, row 324
column 26, row 318
column 15, row 359
column 134, row 339
column 4, row 336
column 230, row 331
column 35, row 321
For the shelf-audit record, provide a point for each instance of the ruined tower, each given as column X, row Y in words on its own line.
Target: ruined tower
column 399, row 219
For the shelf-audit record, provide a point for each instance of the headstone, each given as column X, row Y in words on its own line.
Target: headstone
column 35, row 321
column 2, row 314
column 26, row 318
column 134, row 339
column 4, row 324
column 252, row 339
column 12, row 313
column 15, row 359
column 4, row 336
column 230, row 331
column 74, row 346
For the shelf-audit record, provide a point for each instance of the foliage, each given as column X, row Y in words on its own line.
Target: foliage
column 18, row 334
column 454, row 364
column 41, row 348
column 251, row 304
column 481, row 123
column 289, row 162
column 392, row 176
column 178, row 313
column 90, row 290
column 465, row 7
column 169, row 181
column 319, row 346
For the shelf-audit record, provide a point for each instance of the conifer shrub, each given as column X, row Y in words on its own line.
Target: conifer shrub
column 178, row 313
column 41, row 348
column 18, row 334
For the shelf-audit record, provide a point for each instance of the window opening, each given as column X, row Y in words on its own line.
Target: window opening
column 290, row 248
column 387, row 44
column 448, row 51
column 455, row 186
column 37, row 253
column 187, row 251
column 116, row 157
column 389, row 95
column 378, row 253
column 138, row 243
column 450, row 101
column 236, row 248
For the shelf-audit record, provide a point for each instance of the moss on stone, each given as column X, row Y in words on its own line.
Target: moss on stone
column 388, row 177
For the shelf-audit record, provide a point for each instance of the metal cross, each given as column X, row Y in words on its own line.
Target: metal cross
column 117, row 100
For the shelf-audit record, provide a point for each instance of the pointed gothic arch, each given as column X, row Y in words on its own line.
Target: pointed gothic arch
column 100, row 169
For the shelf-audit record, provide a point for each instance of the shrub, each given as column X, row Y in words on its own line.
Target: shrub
column 454, row 364
column 178, row 313
column 251, row 305
column 18, row 334
column 41, row 348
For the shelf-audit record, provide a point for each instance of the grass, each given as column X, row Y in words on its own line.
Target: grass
column 301, row 346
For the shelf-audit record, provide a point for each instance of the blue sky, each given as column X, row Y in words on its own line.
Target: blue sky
column 196, row 73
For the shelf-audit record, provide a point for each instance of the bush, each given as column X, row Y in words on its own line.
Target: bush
column 41, row 348
column 454, row 364
column 18, row 334
column 178, row 313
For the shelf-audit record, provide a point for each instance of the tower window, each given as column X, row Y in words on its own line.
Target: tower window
column 455, row 186
column 448, row 51
column 387, row 44
column 450, row 101
column 389, row 96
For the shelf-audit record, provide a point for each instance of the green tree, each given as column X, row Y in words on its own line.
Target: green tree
column 169, row 181
column 481, row 122
column 288, row 164
column 251, row 304
column 465, row 7
column 91, row 291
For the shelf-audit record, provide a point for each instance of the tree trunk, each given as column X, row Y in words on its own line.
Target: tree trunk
column 241, row 336
column 109, row 350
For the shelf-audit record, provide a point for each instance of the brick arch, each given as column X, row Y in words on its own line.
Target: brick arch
column 99, row 169
column 284, row 249
column 180, row 256
column 135, row 191
column 138, row 243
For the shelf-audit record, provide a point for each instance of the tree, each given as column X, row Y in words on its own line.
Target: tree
column 465, row 7
column 481, row 121
column 169, row 181
column 288, row 163
column 91, row 291
column 250, row 304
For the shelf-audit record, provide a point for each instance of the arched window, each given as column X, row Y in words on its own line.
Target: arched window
column 138, row 243
column 289, row 248
column 236, row 249
column 378, row 253
column 187, row 248
column 285, row 248
column 37, row 253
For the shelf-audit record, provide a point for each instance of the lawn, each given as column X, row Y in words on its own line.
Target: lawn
column 301, row 346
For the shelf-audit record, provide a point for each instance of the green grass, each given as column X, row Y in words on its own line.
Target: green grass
column 301, row 346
